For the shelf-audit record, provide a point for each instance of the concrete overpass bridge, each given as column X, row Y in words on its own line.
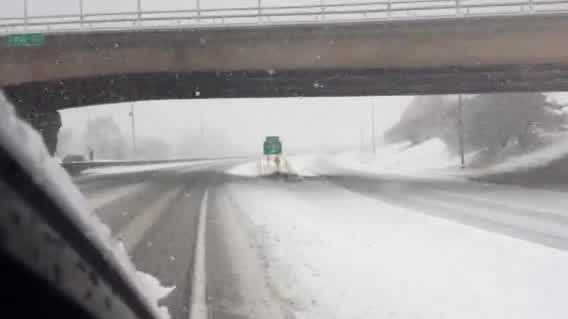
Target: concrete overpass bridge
column 437, row 47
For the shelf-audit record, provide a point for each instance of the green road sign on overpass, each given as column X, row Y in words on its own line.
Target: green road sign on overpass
column 25, row 40
column 272, row 145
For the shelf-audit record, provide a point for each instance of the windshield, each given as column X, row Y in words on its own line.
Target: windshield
column 312, row 158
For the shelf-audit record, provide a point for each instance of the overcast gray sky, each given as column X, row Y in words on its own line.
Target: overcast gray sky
column 303, row 123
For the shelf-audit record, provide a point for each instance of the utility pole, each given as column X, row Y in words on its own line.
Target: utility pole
column 373, row 136
column 81, row 12
column 198, row 8
column 139, row 10
column 26, row 14
column 201, row 128
column 133, row 128
column 460, row 131
column 259, row 11
column 361, row 140
column 89, row 148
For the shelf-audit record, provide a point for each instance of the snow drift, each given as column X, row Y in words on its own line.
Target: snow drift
column 302, row 165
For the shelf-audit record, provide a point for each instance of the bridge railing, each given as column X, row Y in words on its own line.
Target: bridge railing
column 314, row 13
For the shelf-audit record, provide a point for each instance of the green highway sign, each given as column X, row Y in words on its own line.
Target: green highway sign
column 26, row 40
column 272, row 145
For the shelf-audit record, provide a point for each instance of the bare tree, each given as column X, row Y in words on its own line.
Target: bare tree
column 492, row 122
column 105, row 138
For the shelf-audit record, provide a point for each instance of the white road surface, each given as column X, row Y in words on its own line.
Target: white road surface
column 340, row 245
column 332, row 253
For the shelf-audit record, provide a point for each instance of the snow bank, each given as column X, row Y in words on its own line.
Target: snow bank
column 428, row 159
column 27, row 145
column 110, row 170
column 302, row 165
column 432, row 159
column 250, row 169
column 153, row 289
column 430, row 154
column 539, row 158
column 334, row 254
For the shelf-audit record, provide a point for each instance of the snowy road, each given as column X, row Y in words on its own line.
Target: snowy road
column 531, row 214
column 339, row 246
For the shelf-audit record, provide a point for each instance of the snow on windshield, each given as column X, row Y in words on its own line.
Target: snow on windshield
column 26, row 145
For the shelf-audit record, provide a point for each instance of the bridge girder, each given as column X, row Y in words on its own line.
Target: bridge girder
column 472, row 54
column 68, row 93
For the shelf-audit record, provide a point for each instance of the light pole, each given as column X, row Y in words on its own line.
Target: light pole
column 139, row 10
column 201, row 128
column 198, row 8
column 133, row 128
column 361, row 140
column 26, row 14
column 89, row 148
column 373, row 136
column 81, row 12
column 259, row 11
column 460, row 131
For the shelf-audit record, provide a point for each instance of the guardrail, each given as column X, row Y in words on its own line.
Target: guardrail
column 74, row 168
column 315, row 13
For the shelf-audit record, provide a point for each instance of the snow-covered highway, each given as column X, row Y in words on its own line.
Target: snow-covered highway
column 343, row 245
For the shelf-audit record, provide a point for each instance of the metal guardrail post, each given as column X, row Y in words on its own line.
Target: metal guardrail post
column 322, row 12
column 531, row 6
column 389, row 8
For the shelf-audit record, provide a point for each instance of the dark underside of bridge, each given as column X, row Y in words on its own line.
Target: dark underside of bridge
column 67, row 93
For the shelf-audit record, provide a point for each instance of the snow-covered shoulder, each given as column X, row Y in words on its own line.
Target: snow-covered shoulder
column 138, row 168
column 248, row 169
column 301, row 165
column 539, row 158
column 430, row 160
column 331, row 253
column 24, row 143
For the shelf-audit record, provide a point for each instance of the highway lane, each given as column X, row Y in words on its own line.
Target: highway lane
column 156, row 213
column 537, row 215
